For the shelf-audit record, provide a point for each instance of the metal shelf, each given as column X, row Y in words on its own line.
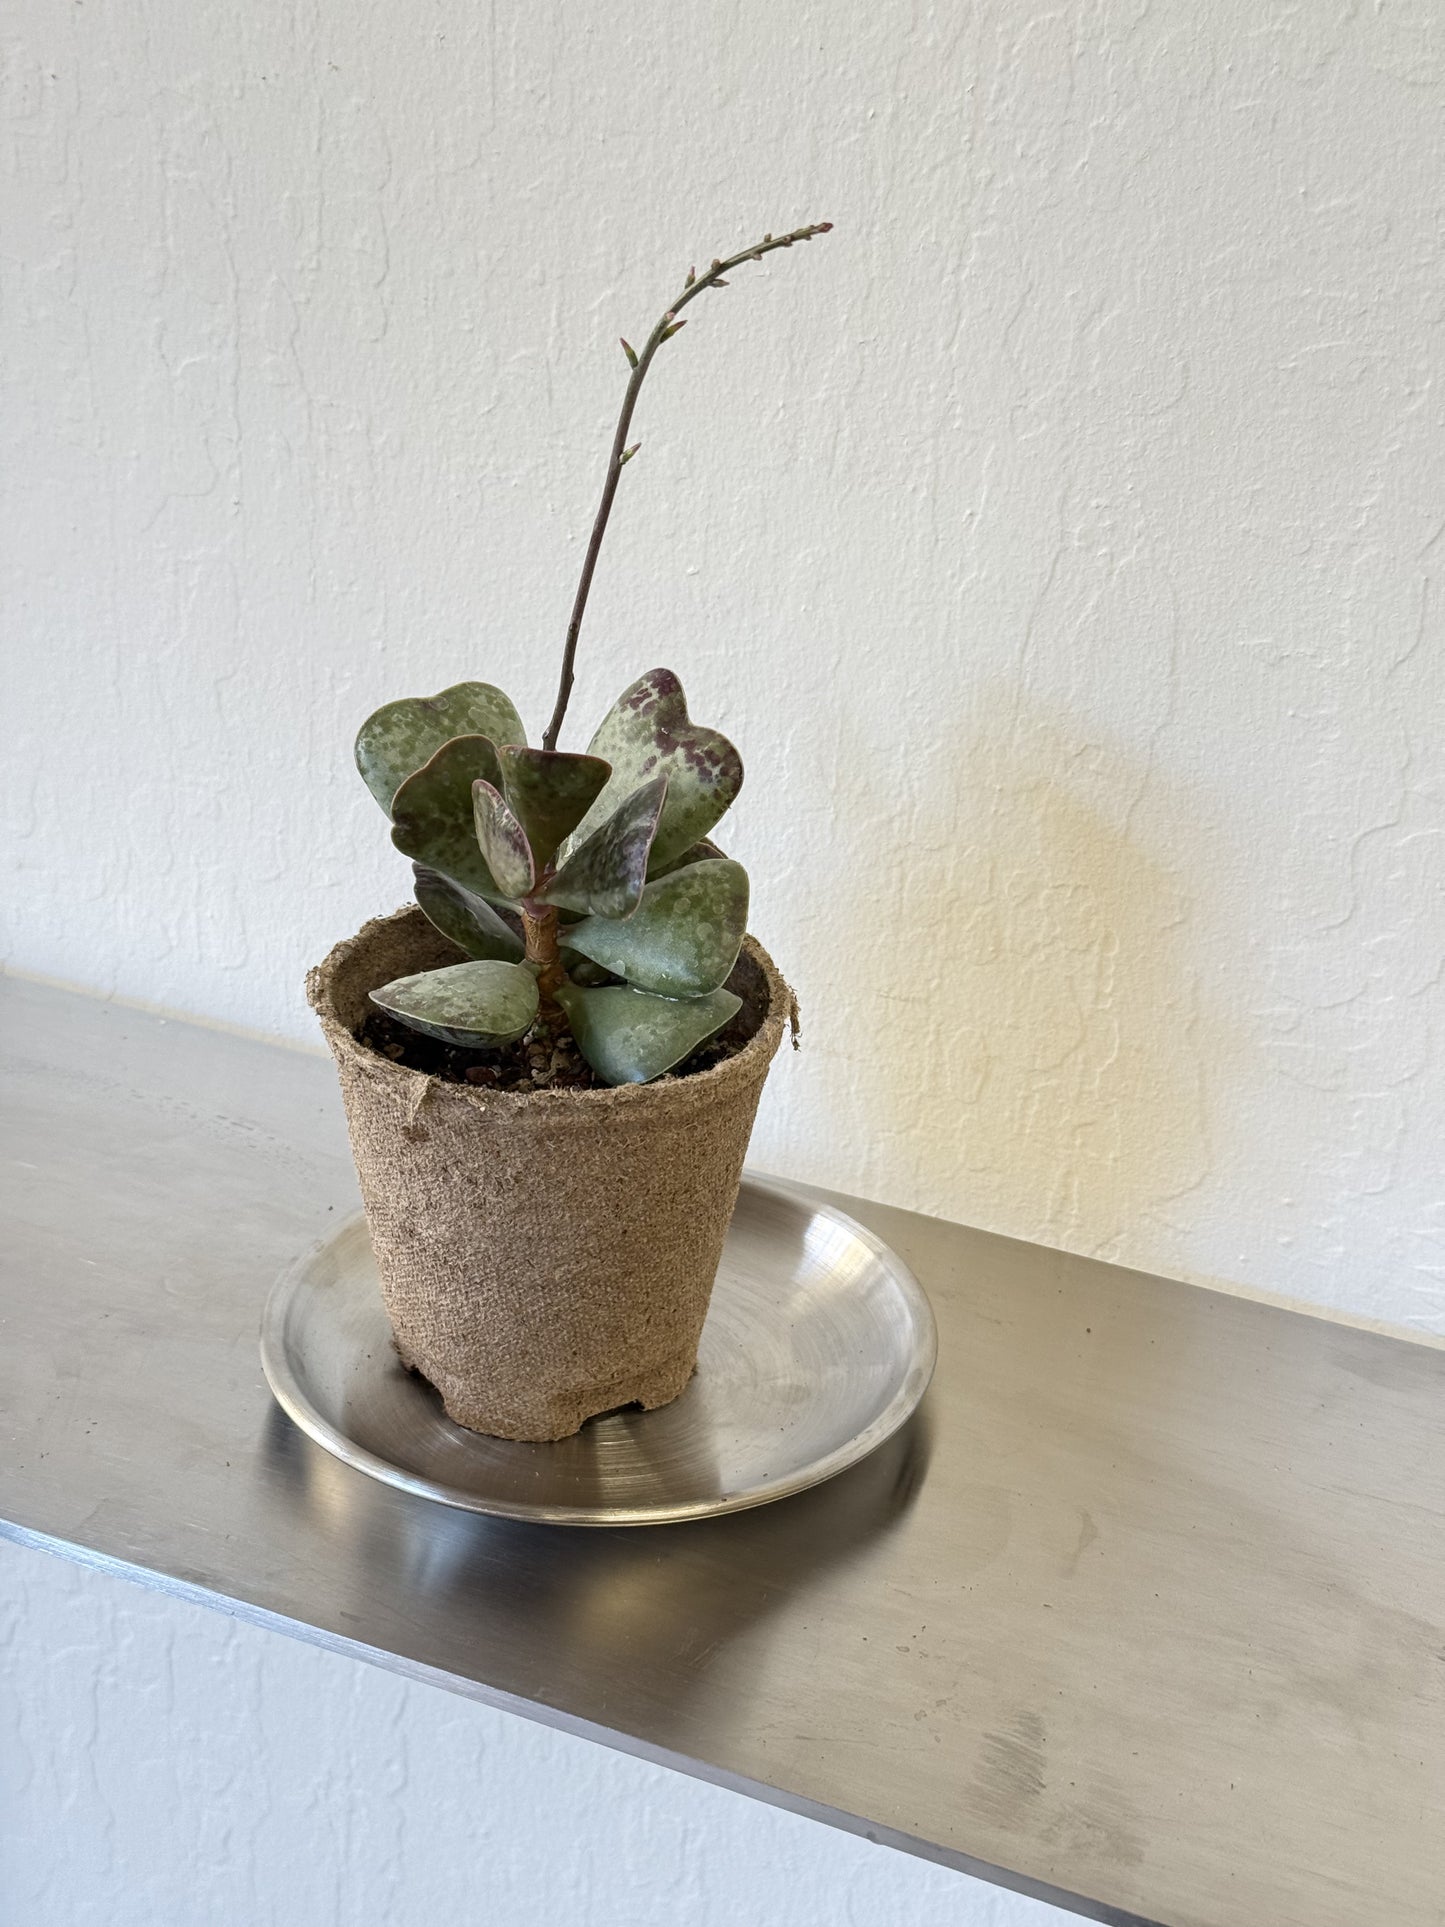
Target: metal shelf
column 1143, row 1615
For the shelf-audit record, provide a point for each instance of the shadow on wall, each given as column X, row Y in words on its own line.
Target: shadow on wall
column 1055, row 1086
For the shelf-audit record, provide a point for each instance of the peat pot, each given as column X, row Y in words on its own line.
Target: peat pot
column 548, row 1255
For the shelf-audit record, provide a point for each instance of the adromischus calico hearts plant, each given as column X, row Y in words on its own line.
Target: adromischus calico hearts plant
column 582, row 888
column 612, row 839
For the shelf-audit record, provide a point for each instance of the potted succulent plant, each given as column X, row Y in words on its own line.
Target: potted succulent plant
column 551, row 1062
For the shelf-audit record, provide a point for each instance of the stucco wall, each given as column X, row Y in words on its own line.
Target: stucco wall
column 163, row 1766
column 1056, row 538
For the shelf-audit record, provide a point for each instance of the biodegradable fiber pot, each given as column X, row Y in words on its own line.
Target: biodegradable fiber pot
column 550, row 1255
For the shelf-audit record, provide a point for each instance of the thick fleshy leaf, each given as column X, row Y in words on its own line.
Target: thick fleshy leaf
column 477, row 1005
column 470, row 921
column 698, row 853
column 684, row 936
column 401, row 736
column 604, row 875
column 432, row 814
column 549, row 792
column 583, row 971
column 647, row 733
column 629, row 1036
column 502, row 841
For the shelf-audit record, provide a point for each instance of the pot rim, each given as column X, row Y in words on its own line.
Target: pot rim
column 756, row 1053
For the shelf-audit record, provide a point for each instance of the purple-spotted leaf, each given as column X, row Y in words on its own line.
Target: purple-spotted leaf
column 432, row 814
column 470, row 921
column 629, row 1036
column 604, row 874
column 648, row 733
column 698, row 853
column 503, row 841
column 684, row 936
column 477, row 1005
column 549, row 792
column 394, row 742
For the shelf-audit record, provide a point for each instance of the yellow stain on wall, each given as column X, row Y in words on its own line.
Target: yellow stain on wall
column 1053, row 1075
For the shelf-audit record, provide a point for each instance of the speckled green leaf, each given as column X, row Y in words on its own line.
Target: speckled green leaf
column 470, row 921
column 604, row 875
column 698, row 852
column 502, row 841
column 684, row 936
column 549, row 792
column 401, row 736
column 432, row 814
column 647, row 733
column 474, row 1004
column 583, row 971
column 629, row 1036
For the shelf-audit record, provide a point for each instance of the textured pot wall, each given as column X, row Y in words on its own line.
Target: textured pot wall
column 1056, row 538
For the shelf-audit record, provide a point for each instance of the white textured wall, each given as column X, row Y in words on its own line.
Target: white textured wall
column 162, row 1766
column 1056, row 539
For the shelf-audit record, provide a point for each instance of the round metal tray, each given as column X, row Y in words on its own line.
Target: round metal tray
column 818, row 1346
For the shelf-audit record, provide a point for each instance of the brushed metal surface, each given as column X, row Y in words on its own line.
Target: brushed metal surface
column 1143, row 1612
column 819, row 1343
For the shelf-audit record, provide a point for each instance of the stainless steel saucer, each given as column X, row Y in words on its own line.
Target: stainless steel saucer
column 818, row 1346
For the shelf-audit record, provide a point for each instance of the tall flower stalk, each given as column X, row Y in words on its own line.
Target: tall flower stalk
column 622, row 454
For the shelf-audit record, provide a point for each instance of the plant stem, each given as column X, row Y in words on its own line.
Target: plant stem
column 668, row 325
column 539, row 932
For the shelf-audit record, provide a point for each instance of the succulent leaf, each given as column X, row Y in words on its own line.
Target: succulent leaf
column 477, row 1005
column 604, row 874
column 696, row 853
column 470, row 921
column 549, row 792
column 684, row 936
column 648, row 733
column 629, row 1036
column 432, row 814
column 583, row 971
column 503, row 841
column 394, row 742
